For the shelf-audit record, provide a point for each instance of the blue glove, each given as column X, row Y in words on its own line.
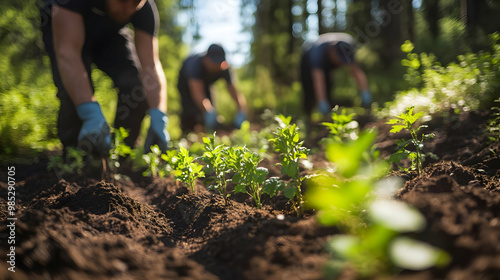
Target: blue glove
column 210, row 118
column 240, row 118
column 366, row 99
column 324, row 107
column 157, row 133
column 94, row 136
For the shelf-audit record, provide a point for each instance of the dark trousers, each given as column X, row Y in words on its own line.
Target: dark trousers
column 116, row 56
column 309, row 98
column 191, row 115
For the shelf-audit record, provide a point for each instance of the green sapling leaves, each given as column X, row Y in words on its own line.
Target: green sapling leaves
column 406, row 122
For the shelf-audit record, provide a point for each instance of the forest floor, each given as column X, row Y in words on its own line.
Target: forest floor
column 85, row 228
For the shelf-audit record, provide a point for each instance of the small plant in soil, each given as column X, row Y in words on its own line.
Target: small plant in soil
column 73, row 163
column 250, row 178
column 155, row 167
column 343, row 126
column 494, row 123
column 286, row 141
column 119, row 149
column 406, row 121
column 216, row 158
column 372, row 243
column 185, row 168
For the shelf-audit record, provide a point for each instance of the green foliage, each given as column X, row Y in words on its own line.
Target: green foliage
column 217, row 158
column 250, row 178
column 72, row 164
column 119, row 149
column 406, row 121
column 155, row 167
column 371, row 245
column 342, row 127
column 494, row 123
column 470, row 83
column 287, row 142
column 256, row 141
column 185, row 168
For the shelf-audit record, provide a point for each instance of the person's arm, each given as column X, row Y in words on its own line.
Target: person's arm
column 238, row 97
column 154, row 84
column 151, row 71
column 69, row 36
column 359, row 76
column 319, row 84
column 197, row 89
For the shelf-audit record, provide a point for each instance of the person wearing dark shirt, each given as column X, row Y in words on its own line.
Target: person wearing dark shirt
column 79, row 33
column 330, row 52
column 197, row 75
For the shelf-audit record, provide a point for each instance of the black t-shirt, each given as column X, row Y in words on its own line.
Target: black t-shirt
column 317, row 52
column 98, row 23
column 192, row 68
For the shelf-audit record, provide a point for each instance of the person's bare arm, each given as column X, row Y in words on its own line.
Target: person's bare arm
column 69, row 36
column 238, row 97
column 151, row 71
column 359, row 76
column 319, row 84
column 199, row 96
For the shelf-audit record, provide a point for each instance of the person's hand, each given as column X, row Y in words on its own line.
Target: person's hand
column 324, row 107
column 240, row 118
column 157, row 133
column 94, row 136
column 366, row 99
column 210, row 119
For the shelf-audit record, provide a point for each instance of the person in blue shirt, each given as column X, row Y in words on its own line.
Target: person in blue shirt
column 330, row 52
column 196, row 76
column 80, row 33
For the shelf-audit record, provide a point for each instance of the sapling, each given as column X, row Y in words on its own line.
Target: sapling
column 494, row 123
column 72, row 163
column 119, row 149
column 372, row 244
column 185, row 168
column 154, row 163
column 250, row 178
column 417, row 157
column 343, row 126
column 287, row 142
column 215, row 157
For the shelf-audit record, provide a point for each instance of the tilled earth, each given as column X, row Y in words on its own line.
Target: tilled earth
column 83, row 228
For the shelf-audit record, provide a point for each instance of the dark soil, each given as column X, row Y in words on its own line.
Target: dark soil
column 84, row 228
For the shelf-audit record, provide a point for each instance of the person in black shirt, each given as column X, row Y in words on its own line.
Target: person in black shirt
column 197, row 74
column 78, row 33
column 329, row 52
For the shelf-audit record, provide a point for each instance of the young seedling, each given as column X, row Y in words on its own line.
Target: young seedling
column 494, row 123
column 372, row 244
column 119, row 149
column 417, row 157
column 343, row 127
column 73, row 163
column 287, row 142
column 250, row 178
column 215, row 157
column 185, row 168
column 155, row 167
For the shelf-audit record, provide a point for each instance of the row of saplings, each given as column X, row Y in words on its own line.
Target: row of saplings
column 373, row 244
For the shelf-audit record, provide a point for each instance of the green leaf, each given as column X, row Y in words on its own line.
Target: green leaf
column 240, row 188
column 397, row 216
column 397, row 157
column 272, row 186
column 411, row 254
column 397, row 128
column 291, row 192
column 261, row 173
